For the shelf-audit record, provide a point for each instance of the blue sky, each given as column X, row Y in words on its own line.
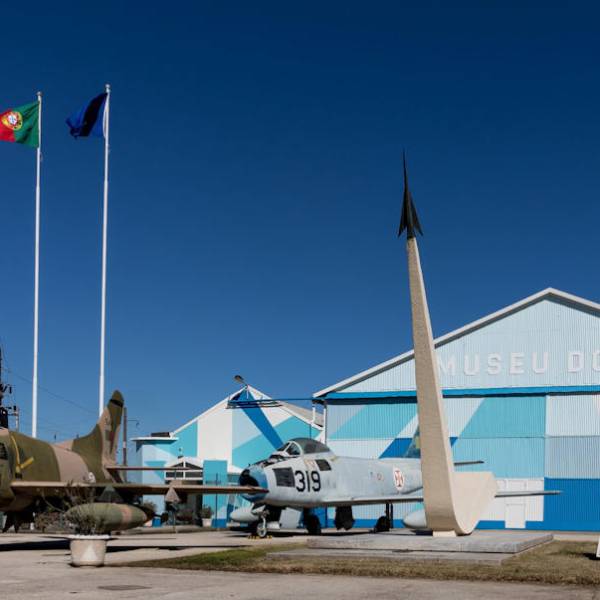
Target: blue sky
column 256, row 187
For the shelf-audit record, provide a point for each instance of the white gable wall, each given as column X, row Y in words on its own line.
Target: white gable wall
column 547, row 343
column 215, row 433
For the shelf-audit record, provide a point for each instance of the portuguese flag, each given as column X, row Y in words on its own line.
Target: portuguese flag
column 20, row 125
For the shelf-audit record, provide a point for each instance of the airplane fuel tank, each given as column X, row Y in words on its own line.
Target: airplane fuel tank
column 106, row 516
column 244, row 514
column 415, row 520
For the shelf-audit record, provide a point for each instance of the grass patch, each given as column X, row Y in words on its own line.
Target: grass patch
column 237, row 559
column 555, row 563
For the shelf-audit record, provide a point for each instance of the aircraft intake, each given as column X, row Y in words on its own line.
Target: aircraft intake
column 255, row 476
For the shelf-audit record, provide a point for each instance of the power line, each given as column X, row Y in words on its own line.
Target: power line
column 50, row 426
column 51, row 393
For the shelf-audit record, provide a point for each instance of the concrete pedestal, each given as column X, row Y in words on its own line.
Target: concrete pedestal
column 480, row 546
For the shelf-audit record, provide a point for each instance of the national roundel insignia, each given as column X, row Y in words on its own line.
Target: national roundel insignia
column 13, row 120
column 398, row 478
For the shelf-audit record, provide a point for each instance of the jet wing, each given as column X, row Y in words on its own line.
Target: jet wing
column 33, row 488
column 359, row 500
column 118, row 468
column 399, row 499
column 527, row 493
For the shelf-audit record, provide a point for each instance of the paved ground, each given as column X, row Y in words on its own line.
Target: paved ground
column 131, row 547
column 58, row 582
column 37, row 567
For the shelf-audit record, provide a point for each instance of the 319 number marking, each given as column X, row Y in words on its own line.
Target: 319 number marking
column 307, row 481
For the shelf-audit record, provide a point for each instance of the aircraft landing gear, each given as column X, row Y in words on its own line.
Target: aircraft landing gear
column 343, row 518
column 383, row 524
column 261, row 528
column 312, row 524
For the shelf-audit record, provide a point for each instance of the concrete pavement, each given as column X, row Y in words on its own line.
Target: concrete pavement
column 131, row 547
column 37, row 567
column 56, row 582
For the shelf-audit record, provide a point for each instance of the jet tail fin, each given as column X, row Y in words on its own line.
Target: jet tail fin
column 99, row 447
column 414, row 450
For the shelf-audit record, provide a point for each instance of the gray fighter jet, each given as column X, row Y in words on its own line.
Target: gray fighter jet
column 305, row 474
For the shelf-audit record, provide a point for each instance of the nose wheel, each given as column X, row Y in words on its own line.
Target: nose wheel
column 261, row 528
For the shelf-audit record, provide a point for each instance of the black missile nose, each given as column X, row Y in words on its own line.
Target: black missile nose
column 409, row 219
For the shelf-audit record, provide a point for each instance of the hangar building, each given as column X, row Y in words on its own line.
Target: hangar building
column 219, row 443
column 522, row 393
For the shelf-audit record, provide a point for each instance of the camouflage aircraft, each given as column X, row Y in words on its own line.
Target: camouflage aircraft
column 35, row 474
column 305, row 474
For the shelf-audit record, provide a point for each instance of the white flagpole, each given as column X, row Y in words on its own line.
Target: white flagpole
column 36, row 285
column 104, row 235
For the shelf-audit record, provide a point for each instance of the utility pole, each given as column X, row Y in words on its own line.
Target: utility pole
column 125, row 435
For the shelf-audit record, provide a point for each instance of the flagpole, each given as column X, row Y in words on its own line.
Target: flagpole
column 104, row 236
column 36, row 285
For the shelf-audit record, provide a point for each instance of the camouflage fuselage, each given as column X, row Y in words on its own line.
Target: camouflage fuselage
column 81, row 460
column 29, row 459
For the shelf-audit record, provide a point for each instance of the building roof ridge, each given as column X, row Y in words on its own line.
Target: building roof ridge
column 216, row 406
column 465, row 329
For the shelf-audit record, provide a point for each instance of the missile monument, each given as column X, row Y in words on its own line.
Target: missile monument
column 454, row 502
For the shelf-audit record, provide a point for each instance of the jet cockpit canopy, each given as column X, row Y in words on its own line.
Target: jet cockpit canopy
column 295, row 447
column 302, row 446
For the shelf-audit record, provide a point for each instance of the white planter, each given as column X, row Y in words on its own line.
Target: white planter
column 88, row 550
column 207, row 522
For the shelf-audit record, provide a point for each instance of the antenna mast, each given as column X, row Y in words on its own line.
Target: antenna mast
column 7, row 411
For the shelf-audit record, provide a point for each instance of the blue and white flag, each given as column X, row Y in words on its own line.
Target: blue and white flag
column 89, row 119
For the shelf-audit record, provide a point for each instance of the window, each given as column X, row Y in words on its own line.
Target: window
column 323, row 465
column 284, row 477
column 294, row 449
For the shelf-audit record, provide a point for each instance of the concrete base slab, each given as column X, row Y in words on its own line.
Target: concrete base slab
column 403, row 541
column 485, row 558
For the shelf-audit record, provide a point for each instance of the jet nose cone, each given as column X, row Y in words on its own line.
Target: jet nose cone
column 255, row 476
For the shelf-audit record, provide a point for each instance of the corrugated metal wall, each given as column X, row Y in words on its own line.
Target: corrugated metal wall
column 576, row 509
column 524, row 398
column 551, row 441
column 549, row 343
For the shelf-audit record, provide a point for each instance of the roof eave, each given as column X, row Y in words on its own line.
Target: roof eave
column 499, row 314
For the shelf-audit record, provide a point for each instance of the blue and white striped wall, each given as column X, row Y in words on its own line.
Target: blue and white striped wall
column 522, row 393
column 238, row 436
